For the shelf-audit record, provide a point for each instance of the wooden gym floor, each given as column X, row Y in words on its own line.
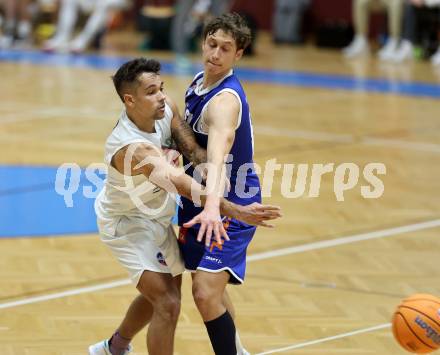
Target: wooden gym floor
column 324, row 281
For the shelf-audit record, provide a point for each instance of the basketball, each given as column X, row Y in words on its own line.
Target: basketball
column 416, row 323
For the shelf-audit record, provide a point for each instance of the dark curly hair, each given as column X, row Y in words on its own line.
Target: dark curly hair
column 233, row 24
column 129, row 72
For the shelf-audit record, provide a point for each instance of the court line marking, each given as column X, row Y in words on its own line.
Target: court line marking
column 71, row 112
column 347, row 138
column 345, row 240
column 76, row 291
column 255, row 257
column 58, row 113
column 323, row 340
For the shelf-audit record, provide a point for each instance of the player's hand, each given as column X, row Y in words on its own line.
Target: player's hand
column 210, row 224
column 172, row 156
column 257, row 214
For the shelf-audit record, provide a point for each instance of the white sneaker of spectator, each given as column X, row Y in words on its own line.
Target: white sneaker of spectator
column 404, row 52
column 24, row 35
column 78, row 45
column 56, row 44
column 388, row 50
column 435, row 59
column 358, row 47
column 6, row 41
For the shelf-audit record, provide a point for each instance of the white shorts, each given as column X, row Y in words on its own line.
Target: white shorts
column 141, row 244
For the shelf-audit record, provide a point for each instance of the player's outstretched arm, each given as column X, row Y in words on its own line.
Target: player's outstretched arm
column 149, row 161
column 222, row 119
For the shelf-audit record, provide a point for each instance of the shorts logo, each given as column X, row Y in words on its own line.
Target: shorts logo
column 216, row 260
column 182, row 235
column 161, row 259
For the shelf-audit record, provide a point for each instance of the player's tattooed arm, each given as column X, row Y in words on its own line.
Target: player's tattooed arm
column 184, row 138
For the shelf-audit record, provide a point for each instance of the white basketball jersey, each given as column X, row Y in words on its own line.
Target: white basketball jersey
column 135, row 195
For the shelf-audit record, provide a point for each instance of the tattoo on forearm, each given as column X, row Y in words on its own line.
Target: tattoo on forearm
column 186, row 143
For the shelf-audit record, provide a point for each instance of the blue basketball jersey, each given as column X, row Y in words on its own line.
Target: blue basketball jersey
column 245, row 185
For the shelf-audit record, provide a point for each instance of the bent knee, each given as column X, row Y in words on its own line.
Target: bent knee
column 202, row 295
column 168, row 307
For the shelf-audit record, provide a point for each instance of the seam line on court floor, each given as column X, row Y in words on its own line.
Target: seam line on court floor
column 346, row 139
column 284, row 132
column 255, row 257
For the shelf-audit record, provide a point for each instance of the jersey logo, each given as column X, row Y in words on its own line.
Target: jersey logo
column 161, row 259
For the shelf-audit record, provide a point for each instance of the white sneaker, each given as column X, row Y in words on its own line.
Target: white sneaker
column 243, row 352
column 435, row 59
column 404, row 52
column 56, row 44
column 6, row 42
column 24, row 29
column 388, row 50
column 78, row 45
column 102, row 348
column 358, row 47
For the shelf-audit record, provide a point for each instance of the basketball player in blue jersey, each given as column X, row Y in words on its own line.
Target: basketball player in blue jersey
column 135, row 207
column 217, row 110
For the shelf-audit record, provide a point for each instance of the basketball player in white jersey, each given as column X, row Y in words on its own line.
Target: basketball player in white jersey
column 136, row 205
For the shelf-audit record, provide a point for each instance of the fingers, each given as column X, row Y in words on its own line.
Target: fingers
column 208, row 235
column 270, row 215
column 269, row 207
column 267, row 225
column 268, row 210
column 201, row 232
column 217, row 234
column 274, row 210
column 223, row 232
column 208, row 229
column 191, row 222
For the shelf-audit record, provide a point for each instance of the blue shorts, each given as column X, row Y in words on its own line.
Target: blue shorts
column 230, row 256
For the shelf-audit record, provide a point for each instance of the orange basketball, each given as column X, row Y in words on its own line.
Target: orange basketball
column 416, row 323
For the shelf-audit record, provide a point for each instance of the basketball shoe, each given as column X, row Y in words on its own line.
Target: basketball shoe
column 102, row 348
